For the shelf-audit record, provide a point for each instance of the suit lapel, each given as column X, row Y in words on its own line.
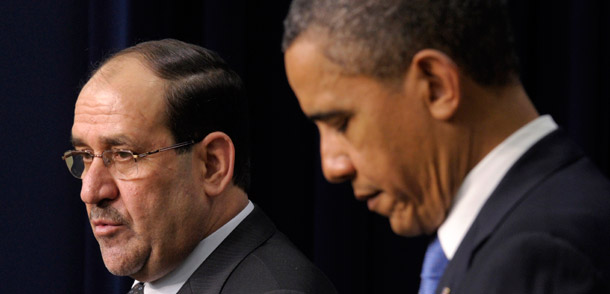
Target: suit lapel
column 210, row 277
column 550, row 154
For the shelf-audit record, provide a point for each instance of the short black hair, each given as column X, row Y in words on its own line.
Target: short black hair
column 203, row 95
column 380, row 37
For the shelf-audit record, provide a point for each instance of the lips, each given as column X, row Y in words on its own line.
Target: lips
column 372, row 202
column 370, row 198
column 105, row 221
column 104, row 228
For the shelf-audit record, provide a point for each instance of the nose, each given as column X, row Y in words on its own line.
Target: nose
column 98, row 184
column 337, row 165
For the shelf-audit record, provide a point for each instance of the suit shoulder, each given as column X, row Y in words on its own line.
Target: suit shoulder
column 534, row 262
column 573, row 204
column 277, row 266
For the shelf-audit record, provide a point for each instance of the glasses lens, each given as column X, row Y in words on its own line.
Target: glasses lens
column 75, row 164
column 123, row 162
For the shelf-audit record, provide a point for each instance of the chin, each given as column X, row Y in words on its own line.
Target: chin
column 405, row 227
column 121, row 262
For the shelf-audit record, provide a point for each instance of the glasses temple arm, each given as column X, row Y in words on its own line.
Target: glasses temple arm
column 165, row 148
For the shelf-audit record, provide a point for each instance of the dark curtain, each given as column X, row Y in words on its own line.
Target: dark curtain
column 49, row 47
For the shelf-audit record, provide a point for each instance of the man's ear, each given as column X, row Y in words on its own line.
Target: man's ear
column 441, row 78
column 218, row 154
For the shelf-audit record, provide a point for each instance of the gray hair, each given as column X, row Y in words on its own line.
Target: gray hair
column 380, row 37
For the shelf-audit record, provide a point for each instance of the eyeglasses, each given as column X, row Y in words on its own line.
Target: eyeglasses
column 123, row 163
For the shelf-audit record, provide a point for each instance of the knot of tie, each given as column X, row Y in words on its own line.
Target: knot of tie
column 137, row 289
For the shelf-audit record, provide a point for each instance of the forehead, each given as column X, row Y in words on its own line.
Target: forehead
column 321, row 84
column 310, row 74
column 123, row 99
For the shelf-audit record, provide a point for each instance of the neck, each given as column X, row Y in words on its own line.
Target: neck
column 225, row 207
column 493, row 114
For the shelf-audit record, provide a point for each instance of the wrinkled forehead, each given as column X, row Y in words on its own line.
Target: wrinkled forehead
column 121, row 96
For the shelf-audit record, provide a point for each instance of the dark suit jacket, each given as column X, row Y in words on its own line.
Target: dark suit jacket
column 257, row 258
column 545, row 229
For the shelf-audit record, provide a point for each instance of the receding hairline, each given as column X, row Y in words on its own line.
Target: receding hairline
column 320, row 37
column 116, row 63
column 319, row 42
column 112, row 65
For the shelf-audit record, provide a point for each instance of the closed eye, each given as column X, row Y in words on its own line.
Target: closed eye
column 338, row 120
column 342, row 126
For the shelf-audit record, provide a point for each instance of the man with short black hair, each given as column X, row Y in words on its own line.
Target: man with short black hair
column 167, row 198
column 419, row 104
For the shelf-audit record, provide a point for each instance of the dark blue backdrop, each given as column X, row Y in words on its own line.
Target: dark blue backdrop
column 48, row 48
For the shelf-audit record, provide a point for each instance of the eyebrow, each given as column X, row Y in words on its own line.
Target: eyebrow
column 108, row 141
column 326, row 116
column 76, row 141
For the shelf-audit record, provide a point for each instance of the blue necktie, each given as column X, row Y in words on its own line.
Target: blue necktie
column 433, row 268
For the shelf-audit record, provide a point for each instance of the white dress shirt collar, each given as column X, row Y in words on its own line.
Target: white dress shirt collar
column 482, row 180
column 173, row 281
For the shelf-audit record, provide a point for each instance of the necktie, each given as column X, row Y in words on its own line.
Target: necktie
column 137, row 289
column 433, row 267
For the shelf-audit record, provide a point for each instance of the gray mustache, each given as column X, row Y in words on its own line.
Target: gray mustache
column 106, row 213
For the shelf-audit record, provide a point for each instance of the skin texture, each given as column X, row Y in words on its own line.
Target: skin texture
column 147, row 225
column 406, row 144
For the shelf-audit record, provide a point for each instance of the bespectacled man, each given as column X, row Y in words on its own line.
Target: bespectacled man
column 160, row 139
column 419, row 105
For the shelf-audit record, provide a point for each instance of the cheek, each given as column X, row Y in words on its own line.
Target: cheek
column 143, row 200
column 392, row 169
column 170, row 193
column 131, row 198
